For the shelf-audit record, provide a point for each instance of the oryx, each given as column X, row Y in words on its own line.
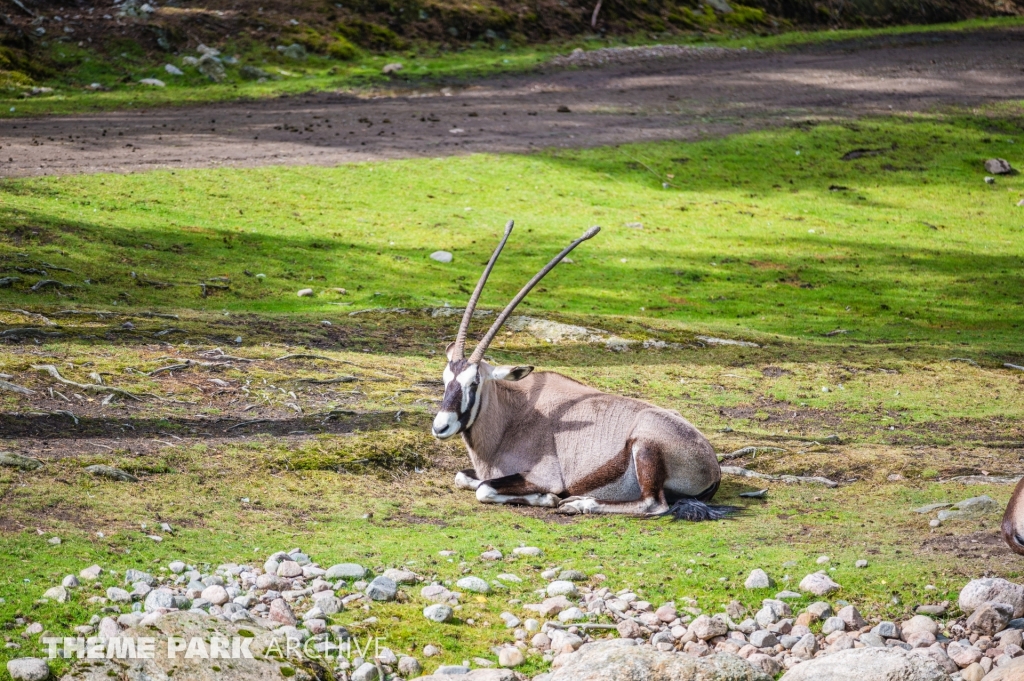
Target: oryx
column 1013, row 520
column 542, row 439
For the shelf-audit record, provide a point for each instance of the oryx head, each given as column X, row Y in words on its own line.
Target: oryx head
column 464, row 378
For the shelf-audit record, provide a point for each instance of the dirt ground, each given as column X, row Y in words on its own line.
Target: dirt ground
column 661, row 99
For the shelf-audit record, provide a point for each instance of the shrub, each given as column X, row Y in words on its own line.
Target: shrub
column 342, row 49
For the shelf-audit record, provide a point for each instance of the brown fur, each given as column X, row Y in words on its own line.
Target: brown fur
column 1013, row 520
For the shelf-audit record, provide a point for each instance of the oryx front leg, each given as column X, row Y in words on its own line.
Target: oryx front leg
column 467, row 479
column 514, row 490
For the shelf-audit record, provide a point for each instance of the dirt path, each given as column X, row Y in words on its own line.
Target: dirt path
column 653, row 100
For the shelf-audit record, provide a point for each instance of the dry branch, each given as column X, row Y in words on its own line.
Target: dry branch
column 747, row 473
column 15, row 388
column 87, row 387
column 749, row 451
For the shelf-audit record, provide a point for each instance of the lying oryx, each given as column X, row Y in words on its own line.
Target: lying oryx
column 1013, row 520
column 542, row 439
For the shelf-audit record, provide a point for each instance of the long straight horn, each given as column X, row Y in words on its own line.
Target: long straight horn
column 460, row 339
column 481, row 347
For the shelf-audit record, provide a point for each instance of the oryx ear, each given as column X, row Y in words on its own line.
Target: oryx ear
column 510, row 373
column 448, row 350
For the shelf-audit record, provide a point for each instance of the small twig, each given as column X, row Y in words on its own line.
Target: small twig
column 87, row 387
column 188, row 363
column 247, row 423
column 747, row 451
column 593, row 17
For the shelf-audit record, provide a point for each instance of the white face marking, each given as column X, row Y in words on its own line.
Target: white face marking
column 445, row 423
column 448, row 375
column 465, row 379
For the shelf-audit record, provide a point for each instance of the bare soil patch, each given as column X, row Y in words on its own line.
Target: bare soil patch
column 661, row 99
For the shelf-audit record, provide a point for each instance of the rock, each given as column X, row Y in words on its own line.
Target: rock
column 704, row 627
column 819, row 584
column 281, row 612
column 764, row 663
column 431, row 650
column 91, row 573
column 886, row 630
column 666, row 613
column 401, row 576
column 963, row 655
column 117, row 595
column 57, row 593
column 788, row 596
column 1012, row 671
column 28, row 669
column 367, row 671
column 211, row 67
column 561, row 587
column 491, row 555
column 571, row 615
column 460, row 673
column 249, row 72
column 527, row 551
column 975, row 507
column 550, row 606
column 304, row 292
column 289, row 569
column 293, row 51
column 511, row 657
column 216, row 594
column 805, row 647
column 572, row 576
column 409, row 666
column 159, row 598
column 25, row 463
column 382, row 589
column 155, row 82
column 475, row 585
column 177, row 567
column 622, row 660
column 936, row 610
column 758, row 579
column 876, row 664
column 822, row 560
column 629, row 629
column 861, row 563
column 992, row 589
column 329, row 605
column 918, row 624
column 833, row 624
column 441, row 256
column 438, row 612
column 70, row 582
column 345, row 571
column 990, row 618
column 436, row 593
column 852, row 617
column 506, row 577
column 173, row 70
column 998, row 166
column 974, row 672
column 394, row 67
column 762, row 638
column 101, row 471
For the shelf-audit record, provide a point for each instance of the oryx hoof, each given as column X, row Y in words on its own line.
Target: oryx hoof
column 463, row 481
column 547, row 501
column 579, row 506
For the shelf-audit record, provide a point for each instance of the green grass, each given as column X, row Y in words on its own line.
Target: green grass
column 761, row 234
column 424, row 67
column 910, row 252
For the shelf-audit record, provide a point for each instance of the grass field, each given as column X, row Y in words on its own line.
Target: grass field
column 118, row 74
column 767, row 237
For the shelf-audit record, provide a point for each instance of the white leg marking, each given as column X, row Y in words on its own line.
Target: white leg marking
column 486, row 494
column 463, row 481
column 580, row 506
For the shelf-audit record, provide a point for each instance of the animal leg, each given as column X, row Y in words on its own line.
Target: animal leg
column 514, row 490
column 467, row 479
column 650, row 473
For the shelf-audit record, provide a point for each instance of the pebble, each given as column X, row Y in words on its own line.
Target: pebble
column 822, row 560
column 491, row 555
column 438, row 612
column 53, row 541
column 758, row 579
column 861, row 563
column 281, row 612
column 572, row 576
column 382, row 589
column 511, row 657
column 527, row 551
column 70, row 582
column 819, row 584
column 505, row 577
column 441, row 256
column 365, row 672
column 345, row 571
column 474, row 584
column 177, row 567
column 57, row 593
column 304, row 293
column 118, row 595
column 561, row 588
column 430, row 650
column 409, row 666
column 216, row 594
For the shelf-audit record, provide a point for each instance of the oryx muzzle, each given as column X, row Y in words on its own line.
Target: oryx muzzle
column 543, row 439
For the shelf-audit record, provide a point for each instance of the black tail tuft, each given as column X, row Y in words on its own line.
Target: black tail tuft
column 697, row 511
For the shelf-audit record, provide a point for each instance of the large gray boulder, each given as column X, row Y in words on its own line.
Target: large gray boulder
column 863, row 664
column 992, row 590
column 623, row 660
column 186, row 625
